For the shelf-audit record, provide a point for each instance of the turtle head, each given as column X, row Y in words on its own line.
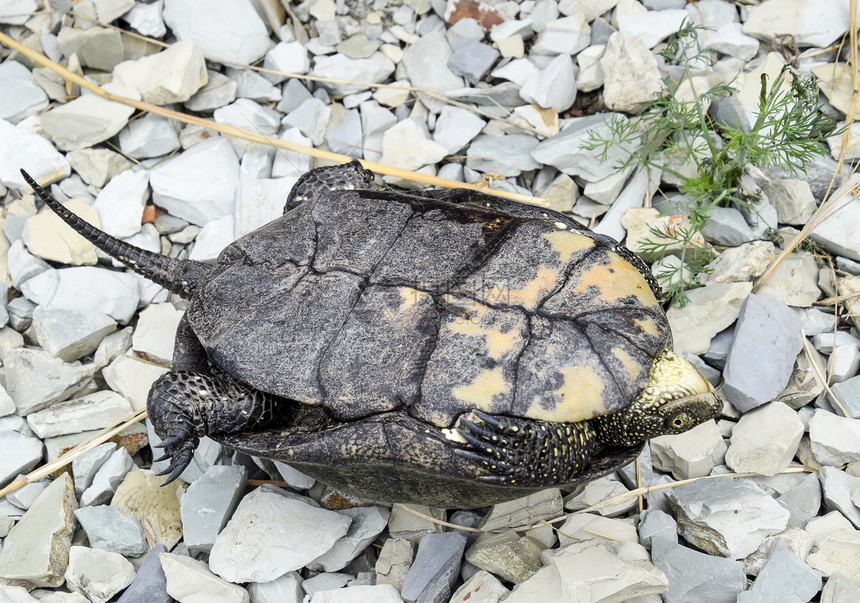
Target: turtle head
column 676, row 398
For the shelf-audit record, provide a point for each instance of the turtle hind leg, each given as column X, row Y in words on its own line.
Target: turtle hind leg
column 526, row 452
column 184, row 406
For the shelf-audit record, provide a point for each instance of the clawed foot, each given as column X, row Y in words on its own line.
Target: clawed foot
column 525, row 452
column 494, row 443
column 179, row 447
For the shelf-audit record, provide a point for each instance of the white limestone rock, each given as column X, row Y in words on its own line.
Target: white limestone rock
column 120, row 203
column 599, row 572
column 651, row 27
column 147, row 19
column 189, row 580
column 765, row 440
column 88, row 119
column 213, row 238
column 711, row 309
column 690, row 454
column 835, row 440
column 21, row 147
column 360, row 73
column 270, row 535
column 93, row 411
column 97, row 574
column 171, row 76
column 260, row 202
column 567, row 36
column 839, row 234
column 85, row 288
column 70, row 334
column 426, row 64
column 49, row 238
column 810, row 23
column 156, row 331
column 631, row 74
column 198, row 185
column 150, row 136
column 407, row 146
column 367, row 524
column 286, row 57
column 839, row 552
column 132, row 378
column 21, row 454
column 228, row 30
column 97, row 166
column 108, row 478
column 456, row 127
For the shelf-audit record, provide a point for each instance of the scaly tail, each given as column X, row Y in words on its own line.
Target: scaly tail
column 179, row 276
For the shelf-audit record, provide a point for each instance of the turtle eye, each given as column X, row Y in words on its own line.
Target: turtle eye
column 679, row 422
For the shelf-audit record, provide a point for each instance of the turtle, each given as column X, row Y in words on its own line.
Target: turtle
column 445, row 347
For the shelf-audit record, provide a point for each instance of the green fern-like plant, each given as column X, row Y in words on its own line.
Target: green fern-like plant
column 788, row 132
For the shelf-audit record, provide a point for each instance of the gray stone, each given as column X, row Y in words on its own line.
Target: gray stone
column 155, row 332
column 21, row 453
column 765, row 346
column 727, row 226
column 347, row 138
column 85, row 467
column 809, row 24
column 794, row 282
column 367, row 523
column 22, row 97
column 465, row 30
column 848, row 393
column 87, row 120
column 596, row 492
column 254, row 86
column 132, row 378
column 840, row 235
column 108, row 478
column 248, row 115
column 531, row 509
column 792, row 199
column 311, row 118
column 69, row 334
column 436, row 567
column 291, row 532
column 654, row 524
column 507, row 155
column 784, row 577
column 18, row 147
column 97, row 166
column 208, row 503
column 736, row 520
column 588, row 526
column 407, row 145
column 553, row 87
column 35, row 379
column 567, row 35
column 695, row 576
column 285, row 589
column 360, row 73
column 837, row 487
column 803, row 501
column 36, row 551
column 227, row 31
column 74, row 289
column 150, row 136
column 150, row 584
column 456, row 127
column 426, row 64
column 219, row 91
column 473, row 60
column 565, row 151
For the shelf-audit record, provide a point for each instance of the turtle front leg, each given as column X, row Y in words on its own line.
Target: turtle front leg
column 526, row 452
column 184, row 406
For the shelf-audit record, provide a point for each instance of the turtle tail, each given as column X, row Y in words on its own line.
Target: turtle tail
column 179, row 276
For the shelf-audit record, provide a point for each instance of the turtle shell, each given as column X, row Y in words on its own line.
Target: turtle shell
column 371, row 301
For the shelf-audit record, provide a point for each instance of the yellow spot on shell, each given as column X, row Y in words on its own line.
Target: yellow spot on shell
column 631, row 367
column 581, row 394
column 480, row 392
column 532, row 293
column 616, row 279
column 410, row 298
column 567, row 243
column 498, row 343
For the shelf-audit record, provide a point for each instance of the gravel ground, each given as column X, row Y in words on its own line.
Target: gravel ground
column 762, row 504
